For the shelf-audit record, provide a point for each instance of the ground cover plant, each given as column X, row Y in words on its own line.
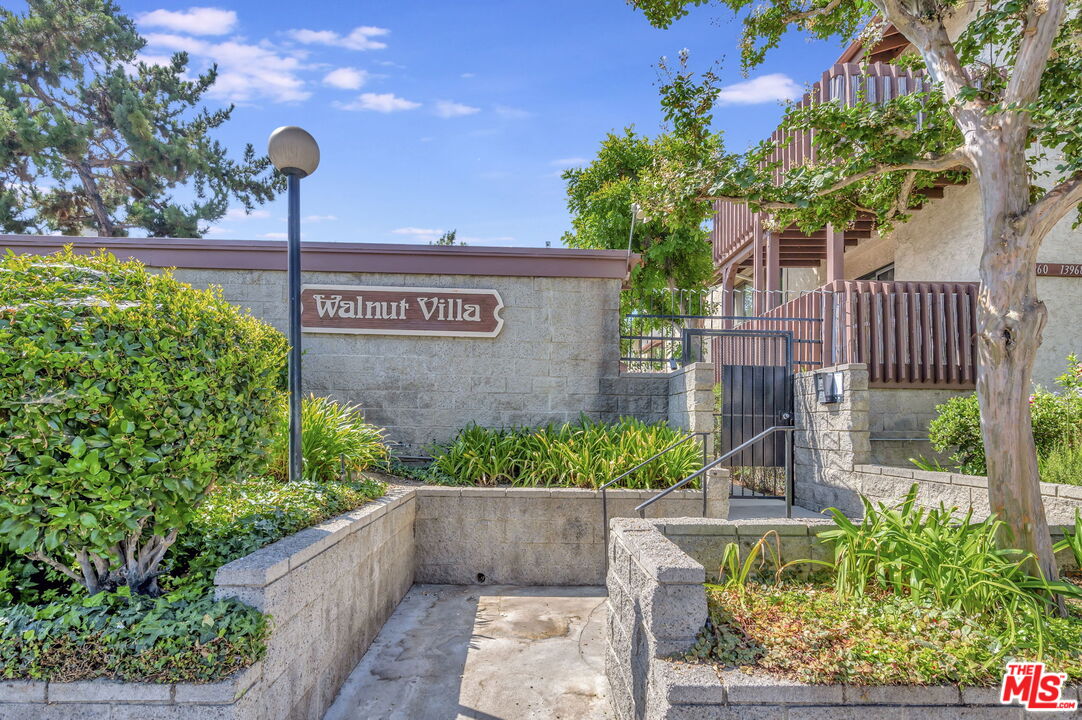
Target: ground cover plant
column 583, row 454
column 912, row 596
column 1057, row 430
column 48, row 631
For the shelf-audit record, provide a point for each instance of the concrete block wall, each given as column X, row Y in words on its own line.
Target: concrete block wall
column 886, row 484
column 559, row 342
column 835, row 462
column 691, row 398
column 657, row 605
column 830, row 440
column 328, row 589
column 898, row 422
column 531, row 536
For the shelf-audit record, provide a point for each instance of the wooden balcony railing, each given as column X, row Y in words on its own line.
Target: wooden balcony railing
column 910, row 334
column 848, row 83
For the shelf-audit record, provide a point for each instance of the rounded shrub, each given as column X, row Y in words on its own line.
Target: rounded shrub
column 124, row 396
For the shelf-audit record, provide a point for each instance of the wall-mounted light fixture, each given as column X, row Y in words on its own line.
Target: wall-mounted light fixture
column 828, row 386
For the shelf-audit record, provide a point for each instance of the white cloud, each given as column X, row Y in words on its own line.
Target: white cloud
column 245, row 72
column 320, row 218
column 239, row 214
column 194, row 20
column 416, row 234
column 451, row 109
column 218, row 231
column 511, row 113
column 467, row 76
column 569, row 162
column 379, row 102
column 346, row 78
column 359, row 39
column 275, row 236
column 762, row 89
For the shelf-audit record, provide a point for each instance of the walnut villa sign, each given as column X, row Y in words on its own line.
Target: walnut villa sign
column 378, row 310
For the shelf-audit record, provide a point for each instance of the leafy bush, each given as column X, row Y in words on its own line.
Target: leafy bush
column 582, row 454
column 184, row 635
column 123, row 395
column 335, row 440
column 1062, row 464
column 915, row 597
column 1057, row 422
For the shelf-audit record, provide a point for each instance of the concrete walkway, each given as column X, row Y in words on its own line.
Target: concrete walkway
column 484, row 653
column 748, row 508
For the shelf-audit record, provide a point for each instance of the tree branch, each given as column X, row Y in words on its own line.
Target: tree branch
column 58, row 566
column 1042, row 23
column 1057, row 202
column 940, row 163
column 813, row 12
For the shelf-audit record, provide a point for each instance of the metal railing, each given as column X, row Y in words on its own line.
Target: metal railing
column 787, row 429
column 604, row 488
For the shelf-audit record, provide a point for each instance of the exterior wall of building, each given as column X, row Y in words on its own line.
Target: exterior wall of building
column 943, row 242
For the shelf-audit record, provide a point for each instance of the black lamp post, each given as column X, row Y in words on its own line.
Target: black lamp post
column 296, row 155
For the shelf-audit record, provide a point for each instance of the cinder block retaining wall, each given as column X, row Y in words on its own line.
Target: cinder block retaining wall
column 330, row 588
column 657, row 605
column 835, row 460
column 531, row 536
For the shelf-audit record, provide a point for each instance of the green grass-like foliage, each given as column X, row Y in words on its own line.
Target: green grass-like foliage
column 123, row 395
column 932, row 556
column 49, row 632
column 335, row 440
column 1062, row 464
column 583, row 454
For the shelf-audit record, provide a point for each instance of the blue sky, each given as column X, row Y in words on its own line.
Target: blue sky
column 438, row 115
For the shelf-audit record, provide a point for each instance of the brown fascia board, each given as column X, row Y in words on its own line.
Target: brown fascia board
column 343, row 257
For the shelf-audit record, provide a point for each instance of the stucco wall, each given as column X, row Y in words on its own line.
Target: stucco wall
column 943, row 242
column 559, row 340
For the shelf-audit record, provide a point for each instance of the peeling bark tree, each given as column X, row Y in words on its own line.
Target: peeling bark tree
column 1004, row 88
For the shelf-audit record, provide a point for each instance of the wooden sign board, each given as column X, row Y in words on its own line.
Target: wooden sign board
column 377, row 310
column 1059, row 269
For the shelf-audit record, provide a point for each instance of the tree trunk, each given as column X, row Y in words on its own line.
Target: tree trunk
column 1010, row 319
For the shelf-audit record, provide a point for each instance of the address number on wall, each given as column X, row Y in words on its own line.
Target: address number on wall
column 1060, row 269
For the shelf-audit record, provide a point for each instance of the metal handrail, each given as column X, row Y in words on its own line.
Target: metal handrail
column 603, row 489
column 641, row 508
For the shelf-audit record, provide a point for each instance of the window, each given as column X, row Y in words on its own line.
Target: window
column 884, row 273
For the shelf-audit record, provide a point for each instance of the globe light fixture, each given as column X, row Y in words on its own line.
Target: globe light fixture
column 295, row 153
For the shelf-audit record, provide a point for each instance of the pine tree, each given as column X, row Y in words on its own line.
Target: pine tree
column 93, row 140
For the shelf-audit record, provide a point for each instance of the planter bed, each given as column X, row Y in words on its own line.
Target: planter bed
column 328, row 590
column 658, row 606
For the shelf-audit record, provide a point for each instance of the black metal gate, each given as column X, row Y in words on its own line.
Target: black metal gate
column 753, row 374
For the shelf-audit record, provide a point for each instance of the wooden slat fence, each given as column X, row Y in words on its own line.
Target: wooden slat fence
column 910, row 334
